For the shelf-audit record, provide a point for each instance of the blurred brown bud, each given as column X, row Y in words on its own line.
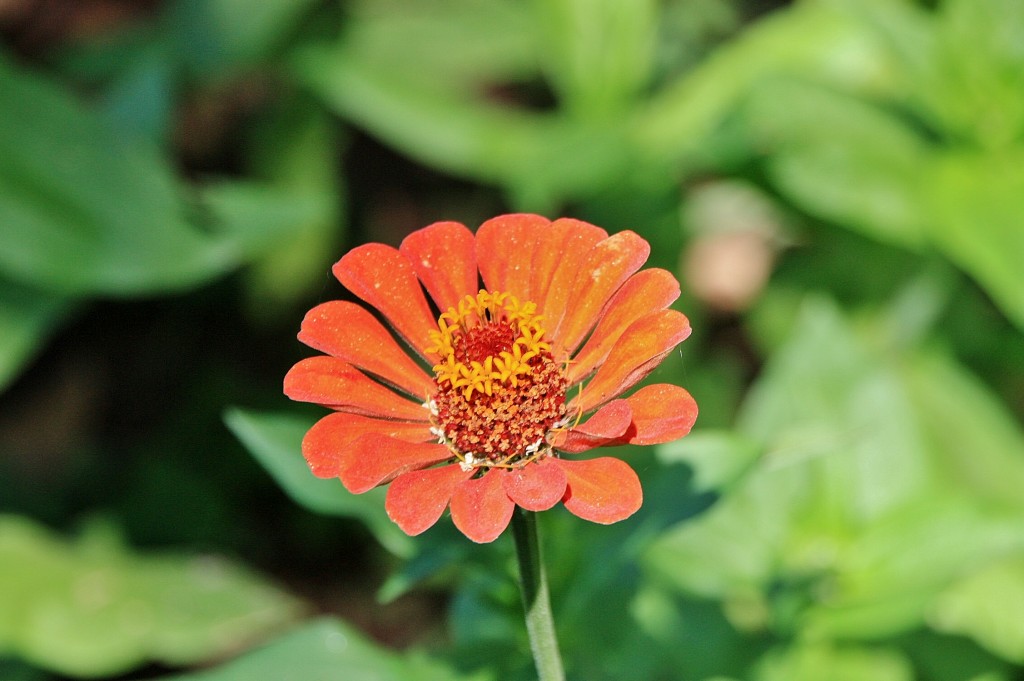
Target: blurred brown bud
column 736, row 237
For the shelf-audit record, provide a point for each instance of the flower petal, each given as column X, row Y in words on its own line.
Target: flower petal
column 607, row 425
column 480, row 508
column 661, row 413
column 336, row 384
column 604, row 490
column 644, row 292
column 443, row 255
column 536, row 486
column 379, row 459
column 557, row 255
column 348, row 331
column 415, row 500
column 639, row 349
column 608, row 265
column 327, row 446
column 384, row 278
column 504, row 249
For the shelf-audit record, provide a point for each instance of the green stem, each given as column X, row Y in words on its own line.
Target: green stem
column 534, row 584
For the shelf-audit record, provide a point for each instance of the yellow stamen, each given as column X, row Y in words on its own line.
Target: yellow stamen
column 485, row 307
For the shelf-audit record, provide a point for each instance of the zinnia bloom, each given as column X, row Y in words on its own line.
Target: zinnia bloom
column 533, row 330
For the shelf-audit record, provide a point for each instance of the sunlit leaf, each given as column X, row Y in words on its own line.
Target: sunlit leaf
column 894, row 570
column 814, row 662
column 414, row 78
column 718, row 458
column 975, row 203
column 842, row 158
column 540, row 156
column 328, row 650
column 599, row 55
column 808, row 39
column 986, row 606
column 967, row 78
column 830, row 410
column 455, row 44
column 978, row 444
column 852, row 524
column 92, row 608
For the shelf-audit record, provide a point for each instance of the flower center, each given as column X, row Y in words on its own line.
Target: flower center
column 499, row 389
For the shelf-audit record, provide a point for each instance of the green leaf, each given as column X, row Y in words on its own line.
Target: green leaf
column 411, row 115
column 16, row 670
column 456, row 45
column 408, row 74
column 968, row 79
column 327, row 650
column 693, row 639
column 415, row 78
column 86, row 208
column 731, row 550
column 952, row 658
column 140, row 97
column 92, row 608
column 978, row 444
column 986, row 606
column 297, row 148
column 814, row 662
column 845, row 526
column 718, row 458
column 442, row 548
column 27, row 317
column 808, row 40
column 841, row 158
column 264, row 216
column 975, row 202
column 894, row 570
column 599, row 55
column 539, row 156
column 275, row 440
column 831, row 409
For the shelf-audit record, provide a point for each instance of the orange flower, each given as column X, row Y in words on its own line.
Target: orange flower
column 525, row 369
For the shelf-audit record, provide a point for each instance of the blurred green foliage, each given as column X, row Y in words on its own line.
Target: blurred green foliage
column 92, row 608
column 329, row 650
column 839, row 185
